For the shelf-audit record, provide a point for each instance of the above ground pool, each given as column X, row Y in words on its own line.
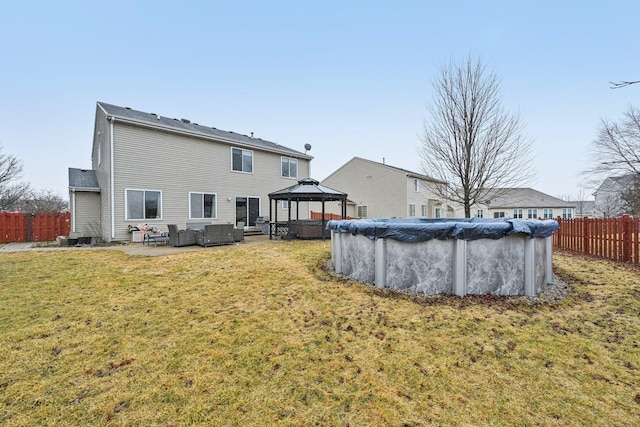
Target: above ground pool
column 446, row 255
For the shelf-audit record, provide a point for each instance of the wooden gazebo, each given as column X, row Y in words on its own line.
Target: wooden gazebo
column 306, row 190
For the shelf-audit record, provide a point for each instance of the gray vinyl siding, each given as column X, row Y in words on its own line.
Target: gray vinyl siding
column 425, row 196
column 150, row 159
column 383, row 190
column 102, row 141
column 87, row 213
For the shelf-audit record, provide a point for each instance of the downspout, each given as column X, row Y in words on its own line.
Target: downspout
column 111, row 179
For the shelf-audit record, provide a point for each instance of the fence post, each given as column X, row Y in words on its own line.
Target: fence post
column 585, row 235
column 626, row 238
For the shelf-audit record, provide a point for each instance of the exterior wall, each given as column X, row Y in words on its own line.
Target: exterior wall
column 100, row 163
column 85, row 206
column 424, row 196
column 508, row 212
column 150, row 159
column 383, row 190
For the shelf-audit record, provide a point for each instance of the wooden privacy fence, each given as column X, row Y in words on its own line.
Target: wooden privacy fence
column 611, row 238
column 328, row 216
column 39, row 227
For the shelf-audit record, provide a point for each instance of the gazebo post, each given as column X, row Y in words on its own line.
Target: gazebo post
column 322, row 230
column 270, row 217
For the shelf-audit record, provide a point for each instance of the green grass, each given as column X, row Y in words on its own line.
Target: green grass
column 261, row 335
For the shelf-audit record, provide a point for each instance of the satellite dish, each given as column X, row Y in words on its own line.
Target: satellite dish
column 307, row 147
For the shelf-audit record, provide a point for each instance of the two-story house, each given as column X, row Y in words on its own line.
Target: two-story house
column 155, row 170
column 379, row 190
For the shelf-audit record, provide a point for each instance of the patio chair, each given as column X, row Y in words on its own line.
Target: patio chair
column 216, row 234
column 238, row 232
column 181, row 237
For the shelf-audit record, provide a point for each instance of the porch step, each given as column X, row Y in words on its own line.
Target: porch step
column 253, row 232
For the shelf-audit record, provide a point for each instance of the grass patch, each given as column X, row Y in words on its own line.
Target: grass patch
column 261, row 335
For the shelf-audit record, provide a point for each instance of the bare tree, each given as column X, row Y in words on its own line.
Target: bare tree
column 42, row 201
column 469, row 141
column 10, row 190
column 623, row 83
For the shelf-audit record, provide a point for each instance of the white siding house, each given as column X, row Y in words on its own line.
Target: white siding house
column 380, row 190
column 157, row 170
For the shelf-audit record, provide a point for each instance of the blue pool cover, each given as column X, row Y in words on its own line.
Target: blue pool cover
column 422, row 229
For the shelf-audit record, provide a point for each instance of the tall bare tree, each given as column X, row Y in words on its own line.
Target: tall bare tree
column 11, row 191
column 469, row 141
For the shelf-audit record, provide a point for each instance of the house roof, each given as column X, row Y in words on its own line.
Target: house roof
column 523, row 198
column 186, row 126
column 397, row 169
column 83, row 180
column 308, row 189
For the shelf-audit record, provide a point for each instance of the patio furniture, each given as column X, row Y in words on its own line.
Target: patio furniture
column 215, row 234
column 197, row 225
column 162, row 238
column 181, row 237
column 238, row 232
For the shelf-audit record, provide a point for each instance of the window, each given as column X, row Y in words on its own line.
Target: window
column 416, row 185
column 438, row 212
column 202, row 205
column 285, row 205
column 498, row 214
column 424, row 210
column 532, row 213
column 99, row 154
column 412, row 209
column 143, row 204
column 289, row 167
column 480, row 213
column 517, row 213
column 547, row 214
column 363, row 211
column 567, row 212
column 242, row 160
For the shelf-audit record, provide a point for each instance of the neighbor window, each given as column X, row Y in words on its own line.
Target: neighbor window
column 143, row 204
column 412, row 209
column 289, row 167
column 416, row 185
column 532, row 213
column 567, row 213
column 498, row 214
column 547, row 214
column 480, row 213
column 242, row 160
column 285, row 205
column 424, row 210
column 363, row 211
column 517, row 213
column 438, row 213
column 202, row 205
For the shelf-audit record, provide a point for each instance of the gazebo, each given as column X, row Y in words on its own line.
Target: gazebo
column 306, row 190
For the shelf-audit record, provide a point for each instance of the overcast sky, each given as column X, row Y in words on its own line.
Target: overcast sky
column 350, row 78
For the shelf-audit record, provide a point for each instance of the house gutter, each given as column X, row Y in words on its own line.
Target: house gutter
column 112, row 180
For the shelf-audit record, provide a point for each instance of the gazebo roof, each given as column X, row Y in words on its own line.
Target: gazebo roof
column 308, row 190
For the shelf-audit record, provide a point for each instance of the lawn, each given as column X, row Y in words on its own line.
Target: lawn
column 263, row 335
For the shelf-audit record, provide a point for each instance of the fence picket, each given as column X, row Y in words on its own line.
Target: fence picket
column 40, row 227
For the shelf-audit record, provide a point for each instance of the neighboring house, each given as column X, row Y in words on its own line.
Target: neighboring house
column 379, row 190
column 154, row 170
column 609, row 197
column 586, row 208
column 525, row 203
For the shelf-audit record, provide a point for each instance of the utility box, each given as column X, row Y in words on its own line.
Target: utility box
column 137, row 236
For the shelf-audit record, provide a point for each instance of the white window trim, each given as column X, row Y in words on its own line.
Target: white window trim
column 253, row 166
column 215, row 204
column 416, row 185
column 360, row 208
column 126, row 205
column 297, row 164
column 412, row 206
column 285, row 205
column 424, row 211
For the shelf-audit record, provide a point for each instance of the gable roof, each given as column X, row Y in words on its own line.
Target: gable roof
column 83, row 180
column 185, row 126
column 394, row 168
column 523, row 198
column 308, row 189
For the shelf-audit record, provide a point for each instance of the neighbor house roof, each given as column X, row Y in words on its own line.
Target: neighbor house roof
column 523, row 198
column 403, row 171
column 187, row 127
column 83, row 180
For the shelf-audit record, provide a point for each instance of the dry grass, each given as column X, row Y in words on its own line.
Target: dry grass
column 261, row 335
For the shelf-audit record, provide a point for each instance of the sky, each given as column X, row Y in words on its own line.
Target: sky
column 350, row 78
